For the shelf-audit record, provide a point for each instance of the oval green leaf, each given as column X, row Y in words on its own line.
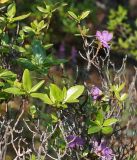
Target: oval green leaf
column 56, row 94
column 73, row 15
column 84, row 15
column 19, row 18
column 43, row 97
column 26, row 80
column 107, row 130
column 94, row 129
column 110, row 121
column 100, row 117
column 73, row 93
column 14, row 90
column 11, row 11
column 37, row 86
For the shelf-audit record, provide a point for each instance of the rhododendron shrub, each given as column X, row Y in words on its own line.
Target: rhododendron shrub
column 46, row 112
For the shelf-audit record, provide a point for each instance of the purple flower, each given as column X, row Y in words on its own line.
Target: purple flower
column 104, row 37
column 62, row 50
column 101, row 150
column 74, row 141
column 73, row 54
column 96, row 93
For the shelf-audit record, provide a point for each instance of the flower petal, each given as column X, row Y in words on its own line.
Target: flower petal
column 79, row 141
column 105, row 44
column 110, row 36
column 99, row 35
column 105, row 35
column 72, row 145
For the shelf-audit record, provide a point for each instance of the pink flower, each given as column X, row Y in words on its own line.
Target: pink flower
column 101, row 150
column 104, row 37
column 96, row 93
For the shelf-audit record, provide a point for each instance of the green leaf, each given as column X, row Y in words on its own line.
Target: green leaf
column 55, row 93
column 73, row 93
column 94, row 129
column 26, row 80
column 2, row 19
column 6, row 75
column 64, row 92
column 73, row 15
column 107, row 130
column 117, row 95
column 113, row 88
column 100, row 117
column 17, row 84
column 37, row 86
column 20, row 17
column 41, row 9
column 120, row 87
column 42, row 25
column 48, row 46
column 38, row 52
column 51, row 61
column 110, row 121
column 14, row 90
column 95, row 123
column 43, row 97
column 26, row 64
column 123, row 97
column 28, row 29
column 3, row 1
column 54, row 118
column 98, row 122
column 19, row 49
column 11, row 11
column 84, row 15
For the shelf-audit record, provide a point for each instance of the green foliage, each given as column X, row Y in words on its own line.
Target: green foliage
column 33, row 54
column 26, row 80
column 79, row 17
column 24, row 87
column 117, row 91
column 9, row 17
column 7, row 75
column 3, row 1
column 35, row 28
column 52, row 109
column 119, row 23
column 73, row 93
column 117, row 18
column 109, row 122
column 101, row 124
column 15, row 91
column 38, row 60
column 7, row 79
column 43, row 97
column 59, row 98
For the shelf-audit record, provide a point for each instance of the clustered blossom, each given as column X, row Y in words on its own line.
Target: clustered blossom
column 104, row 37
column 96, row 93
column 102, row 151
column 74, row 141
